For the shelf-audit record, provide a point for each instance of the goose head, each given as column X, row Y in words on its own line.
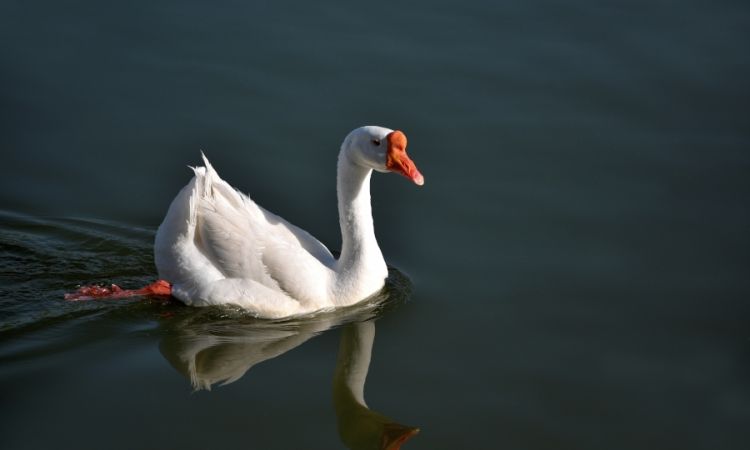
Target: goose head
column 381, row 149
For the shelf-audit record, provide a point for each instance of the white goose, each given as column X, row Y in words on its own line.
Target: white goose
column 217, row 246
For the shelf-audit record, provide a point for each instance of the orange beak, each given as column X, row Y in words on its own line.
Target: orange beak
column 398, row 161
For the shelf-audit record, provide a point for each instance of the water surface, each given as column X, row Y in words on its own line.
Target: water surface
column 577, row 258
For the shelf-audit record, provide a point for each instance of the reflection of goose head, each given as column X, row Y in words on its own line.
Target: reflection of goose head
column 359, row 427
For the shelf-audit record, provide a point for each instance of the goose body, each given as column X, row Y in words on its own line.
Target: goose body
column 217, row 246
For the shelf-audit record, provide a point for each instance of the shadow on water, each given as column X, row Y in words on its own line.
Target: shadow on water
column 218, row 346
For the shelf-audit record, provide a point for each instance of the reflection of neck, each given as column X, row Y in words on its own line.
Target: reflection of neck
column 353, row 362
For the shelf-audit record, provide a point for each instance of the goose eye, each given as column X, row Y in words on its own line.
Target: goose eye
column 376, row 142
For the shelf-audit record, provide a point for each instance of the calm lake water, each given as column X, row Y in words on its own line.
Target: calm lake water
column 573, row 274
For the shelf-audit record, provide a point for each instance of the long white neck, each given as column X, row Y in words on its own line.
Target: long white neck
column 360, row 269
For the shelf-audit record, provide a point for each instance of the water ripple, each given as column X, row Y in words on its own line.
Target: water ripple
column 41, row 258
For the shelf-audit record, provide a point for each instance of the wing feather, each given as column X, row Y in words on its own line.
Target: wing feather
column 243, row 240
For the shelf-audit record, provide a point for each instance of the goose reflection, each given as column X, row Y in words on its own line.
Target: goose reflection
column 359, row 426
column 218, row 346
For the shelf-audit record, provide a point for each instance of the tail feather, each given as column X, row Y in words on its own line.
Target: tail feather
column 204, row 187
column 194, row 198
column 206, row 163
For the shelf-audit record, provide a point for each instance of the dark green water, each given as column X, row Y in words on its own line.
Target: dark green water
column 578, row 256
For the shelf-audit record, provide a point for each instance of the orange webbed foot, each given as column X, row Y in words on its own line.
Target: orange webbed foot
column 95, row 292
